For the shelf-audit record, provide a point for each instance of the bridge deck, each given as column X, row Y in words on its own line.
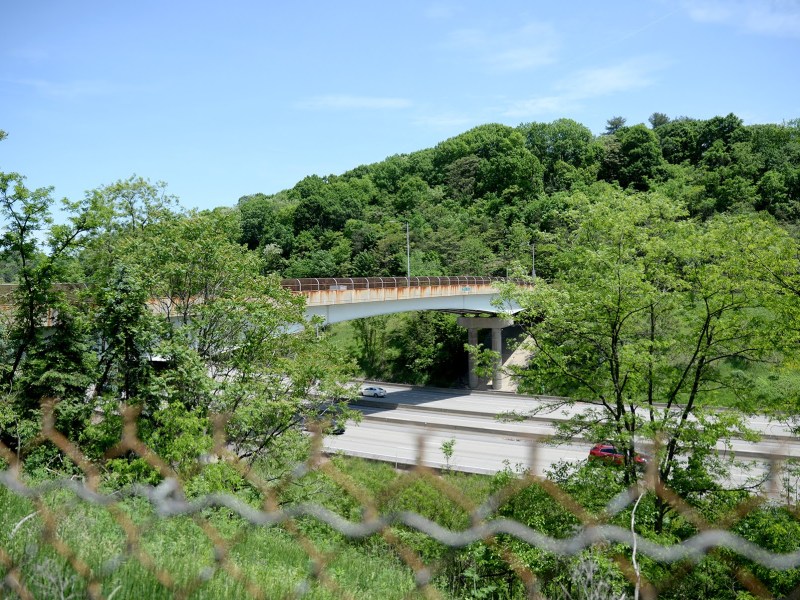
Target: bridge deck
column 397, row 294
column 325, row 291
column 342, row 299
column 348, row 290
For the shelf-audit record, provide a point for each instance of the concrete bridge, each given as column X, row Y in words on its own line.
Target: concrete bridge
column 344, row 299
column 475, row 298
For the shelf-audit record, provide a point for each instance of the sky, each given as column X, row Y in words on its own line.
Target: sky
column 225, row 99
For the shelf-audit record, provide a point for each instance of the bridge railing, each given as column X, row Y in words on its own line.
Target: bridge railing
column 318, row 284
column 314, row 284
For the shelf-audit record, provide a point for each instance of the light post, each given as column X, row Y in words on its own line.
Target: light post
column 408, row 254
column 408, row 250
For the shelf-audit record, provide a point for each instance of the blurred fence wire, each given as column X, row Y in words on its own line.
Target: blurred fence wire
column 76, row 574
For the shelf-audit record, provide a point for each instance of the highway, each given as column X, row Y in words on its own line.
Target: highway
column 411, row 420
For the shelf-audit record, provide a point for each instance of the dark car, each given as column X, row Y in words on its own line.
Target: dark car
column 609, row 453
column 328, row 417
column 333, row 426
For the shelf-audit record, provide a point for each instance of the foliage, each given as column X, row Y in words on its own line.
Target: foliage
column 371, row 337
column 174, row 319
column 35, row 365
column 448, row 447
column 429, row 349
column 233, row 345
column 475, row 187
column 647, row 310
column 567, row 150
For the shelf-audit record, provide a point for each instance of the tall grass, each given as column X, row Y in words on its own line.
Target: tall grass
column 273, row 559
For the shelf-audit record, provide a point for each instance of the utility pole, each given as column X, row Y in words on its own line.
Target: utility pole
column 408, row 254
column 533, row 260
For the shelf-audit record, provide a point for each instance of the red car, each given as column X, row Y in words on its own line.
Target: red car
column 609, row 453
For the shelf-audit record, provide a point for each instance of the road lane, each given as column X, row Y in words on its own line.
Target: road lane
column 547, row 408
column 472, row 452
column 392, row 426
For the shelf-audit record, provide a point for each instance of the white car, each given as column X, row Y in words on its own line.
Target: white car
column 374, row 391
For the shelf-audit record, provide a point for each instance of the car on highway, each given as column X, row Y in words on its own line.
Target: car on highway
column 608, row 453
column 374, row 391
column 327, row 417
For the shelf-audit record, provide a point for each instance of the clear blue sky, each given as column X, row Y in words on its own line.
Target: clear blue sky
column 222, row 99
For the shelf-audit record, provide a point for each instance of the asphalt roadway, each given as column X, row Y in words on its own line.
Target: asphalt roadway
column 410, row 424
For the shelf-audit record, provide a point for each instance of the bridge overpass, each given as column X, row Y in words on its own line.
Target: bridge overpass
column 475, row 298
column 344, row 299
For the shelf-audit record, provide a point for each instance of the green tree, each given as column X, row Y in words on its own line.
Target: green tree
column 774, row 196
column 412, row 192
column 371, row 336
column 642, row 322
column 61, row 368
column 328, row 204
column 657, row 119
column 474, row 258
column 134, row 203
column 428, row 348
column 679, row 140
column 462, row 178
column 174, row 318
column 260, row 365
column 325, row 255
column 516, row 170
column 614, row 124
column 488, row 158
column 36, row 366
column 725, row 129
column 641, row 157
column 567, row 151
column 266, row 220
column 27, row 215
column 128, row 331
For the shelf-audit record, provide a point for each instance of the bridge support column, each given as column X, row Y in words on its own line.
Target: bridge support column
column 498, row 377
column 496, row 324
column 472, row 339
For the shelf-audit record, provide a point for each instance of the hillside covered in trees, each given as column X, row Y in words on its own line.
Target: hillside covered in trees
column 484, row 202
column 475, row 202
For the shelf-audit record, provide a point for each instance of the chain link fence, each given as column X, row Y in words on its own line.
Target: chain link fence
column 74, row 568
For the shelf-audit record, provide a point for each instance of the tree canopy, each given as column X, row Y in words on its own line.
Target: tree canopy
column 166, row 314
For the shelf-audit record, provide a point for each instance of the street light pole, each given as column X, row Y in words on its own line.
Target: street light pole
column 408, row 254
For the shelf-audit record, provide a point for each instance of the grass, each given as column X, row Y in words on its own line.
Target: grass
column 344, row 336
column 174, row 556
column 270, row 559
column 762, row 388
column 216, row 554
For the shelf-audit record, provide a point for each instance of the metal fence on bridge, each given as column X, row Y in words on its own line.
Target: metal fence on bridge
column 314, row 284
